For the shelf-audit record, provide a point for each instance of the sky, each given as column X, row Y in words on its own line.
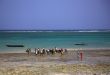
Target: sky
column 54, row 14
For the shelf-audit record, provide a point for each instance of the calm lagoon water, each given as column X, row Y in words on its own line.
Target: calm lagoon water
column 53, row 39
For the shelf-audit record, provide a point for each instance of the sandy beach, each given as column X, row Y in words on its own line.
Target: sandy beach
column 94, row 62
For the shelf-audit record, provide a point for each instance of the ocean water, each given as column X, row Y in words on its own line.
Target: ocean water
column 51, row 39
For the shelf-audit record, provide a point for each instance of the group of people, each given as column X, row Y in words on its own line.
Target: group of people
column 44, row 51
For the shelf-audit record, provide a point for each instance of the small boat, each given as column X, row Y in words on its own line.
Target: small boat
column 79, row 44
column 15, row 45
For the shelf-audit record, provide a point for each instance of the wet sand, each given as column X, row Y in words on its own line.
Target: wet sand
column 94, row 62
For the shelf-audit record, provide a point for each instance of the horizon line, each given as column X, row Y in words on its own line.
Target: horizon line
column 48, row 29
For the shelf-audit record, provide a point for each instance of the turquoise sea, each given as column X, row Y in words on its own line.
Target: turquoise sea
column 51, row 39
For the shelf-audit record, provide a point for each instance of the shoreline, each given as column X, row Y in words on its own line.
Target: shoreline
column 69, row 49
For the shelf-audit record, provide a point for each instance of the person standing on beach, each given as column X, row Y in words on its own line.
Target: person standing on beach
column 65, row 51
column 80, row 55
column 55, row 49
column 47, row 51
column 43, row 51
column 62, row 51
column 36, row 51
column 28, row 51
